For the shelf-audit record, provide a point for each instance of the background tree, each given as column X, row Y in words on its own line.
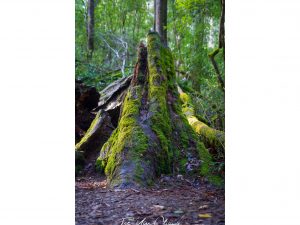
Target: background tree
column 90, row 27
column 222, row 27
column 161, row 8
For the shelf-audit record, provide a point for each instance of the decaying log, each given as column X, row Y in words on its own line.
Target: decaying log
column 111, row 95
column 102, row 125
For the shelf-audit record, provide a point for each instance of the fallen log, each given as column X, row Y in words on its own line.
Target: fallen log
column 212, row 136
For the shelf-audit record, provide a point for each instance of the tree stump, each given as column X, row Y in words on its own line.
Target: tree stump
column 152, row 135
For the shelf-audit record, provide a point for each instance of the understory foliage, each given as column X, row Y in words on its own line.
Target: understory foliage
column 195, row 26
column 119, row 27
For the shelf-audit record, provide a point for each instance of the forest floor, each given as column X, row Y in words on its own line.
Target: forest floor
column 172, row 200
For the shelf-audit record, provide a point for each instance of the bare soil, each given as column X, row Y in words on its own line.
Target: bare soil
column 172, row 200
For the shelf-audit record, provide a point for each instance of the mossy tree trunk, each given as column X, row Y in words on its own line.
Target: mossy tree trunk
column 153, row 136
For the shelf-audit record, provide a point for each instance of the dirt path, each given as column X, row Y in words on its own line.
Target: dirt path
column 173, row 200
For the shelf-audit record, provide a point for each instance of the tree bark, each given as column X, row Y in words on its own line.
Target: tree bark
column 161, row 12
column 90, row 28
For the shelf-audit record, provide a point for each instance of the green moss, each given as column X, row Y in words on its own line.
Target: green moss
column 184, row 98
column 205, row 158
column 105, row 151
column 216, row 180
column 183, row 127
column 184, row 138
column 201, row 118
column 206, row 167
column 150, row 182
column 213, row 136
column 161, row 77
column 214, row 52
column 78, row 168
column 129, row 136
column 100, row 165
column 182, row 165
column 79, row 161
column 138, row 171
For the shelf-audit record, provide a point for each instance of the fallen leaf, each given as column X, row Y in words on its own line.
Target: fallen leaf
column 158, row 206
column 205, row 215
column 203, row 207
column 178, row 212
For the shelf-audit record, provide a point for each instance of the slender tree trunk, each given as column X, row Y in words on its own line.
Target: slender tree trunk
column 123, row 23
column 215, row 65
column 177, row 41
column 134, row 25
column 90, row 28
column 222, row 27
column 139, row 19
column 161, row 9
column 154, row 24
column 221, row 45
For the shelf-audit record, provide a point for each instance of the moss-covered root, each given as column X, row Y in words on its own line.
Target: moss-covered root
column 212, row 136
